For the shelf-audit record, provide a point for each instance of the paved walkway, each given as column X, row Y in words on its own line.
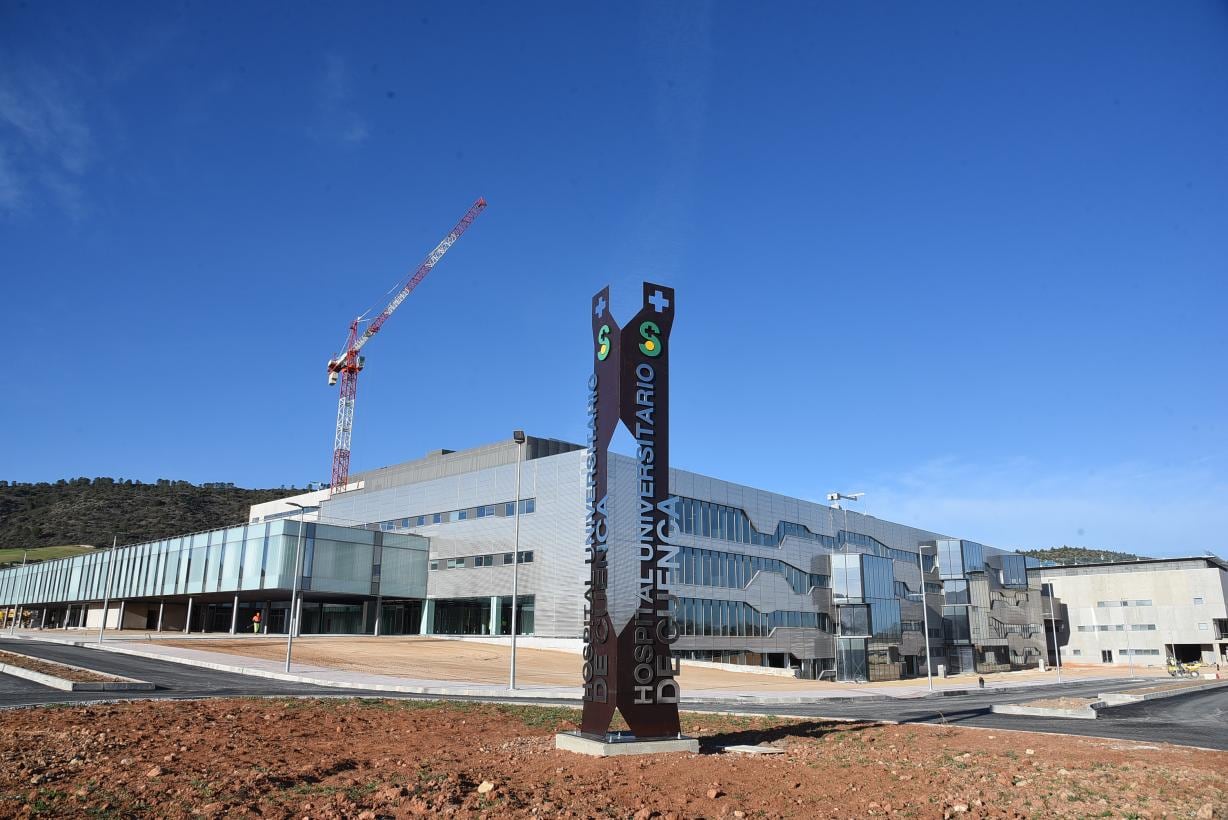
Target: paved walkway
column 443, row 667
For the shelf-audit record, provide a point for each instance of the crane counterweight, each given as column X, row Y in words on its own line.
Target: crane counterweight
column 346, row 366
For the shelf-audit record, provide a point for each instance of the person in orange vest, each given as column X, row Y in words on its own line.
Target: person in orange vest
column 256, row 622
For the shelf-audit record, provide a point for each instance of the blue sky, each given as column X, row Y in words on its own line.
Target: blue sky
column 967, row 258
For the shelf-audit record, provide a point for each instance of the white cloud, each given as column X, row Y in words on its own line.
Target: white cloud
column 1130, row 506
column 12, row 192
column 45, row 141
column 337, row 120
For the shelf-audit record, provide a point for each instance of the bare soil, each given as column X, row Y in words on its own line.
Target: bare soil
column 54, row 669
column 1061, row 703
column 381, row 758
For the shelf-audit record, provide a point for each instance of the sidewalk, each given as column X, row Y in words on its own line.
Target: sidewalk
column 436, row 666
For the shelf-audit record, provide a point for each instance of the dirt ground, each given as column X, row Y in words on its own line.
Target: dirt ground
column 435, row 659
column 379, row 758
column 51, row 668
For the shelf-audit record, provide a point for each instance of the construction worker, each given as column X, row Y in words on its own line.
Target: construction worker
column 256, row 622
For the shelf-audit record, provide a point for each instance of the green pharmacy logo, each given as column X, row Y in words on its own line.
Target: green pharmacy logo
column 603, row 343
column 651, row 346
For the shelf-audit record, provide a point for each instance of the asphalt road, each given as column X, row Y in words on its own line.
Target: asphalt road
column 1197, row 719
column 174, row 680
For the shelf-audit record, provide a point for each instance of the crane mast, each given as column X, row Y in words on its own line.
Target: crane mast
column 346, row 366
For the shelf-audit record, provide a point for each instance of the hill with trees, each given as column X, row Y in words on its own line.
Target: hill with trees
column 1079, row 555
column 92, row 510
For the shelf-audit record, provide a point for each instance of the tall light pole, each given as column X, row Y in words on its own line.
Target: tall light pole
column 106, row 590
column 836, row 498
column 925, row 621
column 298, row 570
column 1057, row 650
column 519, row 438
column 19, row 602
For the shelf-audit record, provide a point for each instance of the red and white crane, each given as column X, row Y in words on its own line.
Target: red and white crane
column 348, row 363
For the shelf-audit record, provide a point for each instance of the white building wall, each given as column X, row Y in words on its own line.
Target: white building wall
column 1173, row 590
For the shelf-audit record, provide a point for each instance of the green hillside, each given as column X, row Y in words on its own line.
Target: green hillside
column 1080, row 555
column 91, row 511
column 14, row 555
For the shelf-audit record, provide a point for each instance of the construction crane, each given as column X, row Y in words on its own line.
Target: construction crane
column 349, row 362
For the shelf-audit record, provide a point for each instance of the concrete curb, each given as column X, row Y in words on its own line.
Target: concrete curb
column 1124, row 698
column 1086, row 713
column 121, row 685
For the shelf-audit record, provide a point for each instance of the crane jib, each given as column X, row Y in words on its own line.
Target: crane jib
column 348, row 363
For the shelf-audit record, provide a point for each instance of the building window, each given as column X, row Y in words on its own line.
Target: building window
column 1199, row 601
column 437, row 518
column 1087, row 629
column 507, row 558
column 434, row 565
column 1145, row 602
column 1077, row 652
column 526, row 556
column 1142, row 627
column 1203, row 627
column 528, row 505
column 456, row 563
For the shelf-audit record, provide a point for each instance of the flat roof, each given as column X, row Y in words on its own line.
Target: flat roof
column 1209, row 560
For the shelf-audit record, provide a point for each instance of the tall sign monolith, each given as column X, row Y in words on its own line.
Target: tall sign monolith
column 628, row 619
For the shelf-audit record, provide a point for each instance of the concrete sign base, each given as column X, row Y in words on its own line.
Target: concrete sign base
column 622, row 745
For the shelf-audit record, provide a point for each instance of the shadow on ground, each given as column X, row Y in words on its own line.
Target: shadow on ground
column 809, row 730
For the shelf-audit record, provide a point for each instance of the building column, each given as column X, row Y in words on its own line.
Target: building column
column 43, row 621
column 187, row 622
column 161, row 607
column 493, row 626
column 428, row 617
column 119, row 623
column 234, row 614
column 379, row 612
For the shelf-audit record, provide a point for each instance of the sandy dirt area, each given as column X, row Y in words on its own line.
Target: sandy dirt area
column 435, row 659
column 369, row 759
column 1061, row 703
column 54, row 669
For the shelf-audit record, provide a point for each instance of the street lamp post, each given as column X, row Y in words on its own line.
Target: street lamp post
column 18, row 602
column 106, row 592
column 925, row 622
column 519, row 437
column 298, row 570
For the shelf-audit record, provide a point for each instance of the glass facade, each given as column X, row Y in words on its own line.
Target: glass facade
column 504, row 509
column 482, row 616
column 701, row 616
column 711, row 520
column 712, row 568
column 260, row 556
column 1014, row 571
